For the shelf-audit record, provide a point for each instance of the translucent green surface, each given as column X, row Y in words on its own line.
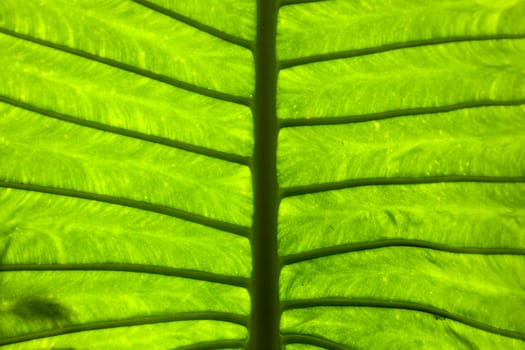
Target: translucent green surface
column 119, row 166
column 119, row 98
column 323, row 27
column 68, row 230
column 178, row 174
column 36, row 301
column 416, row 77
column 156, row 336
column 468, row 142
column 379, row 328
column 235, row 17
column 133, row 34
column 460, row 215
column 482, row 288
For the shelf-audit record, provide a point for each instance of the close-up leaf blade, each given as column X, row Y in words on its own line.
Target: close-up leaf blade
column 161, row 331
column 262, row 174
column 87, row 232
column 119, row 173
column 462, row 216
column 137, row 36
column 227, row 17
column 407, row 79
column 481, row 141
column 472, row 286
column 326, row 29
column 378, row 328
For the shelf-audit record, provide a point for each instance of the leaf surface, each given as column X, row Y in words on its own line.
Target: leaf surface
column 138, row 138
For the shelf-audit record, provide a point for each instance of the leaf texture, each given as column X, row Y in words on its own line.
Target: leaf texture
column 401, row 167
column 137, row 138
column 124, row 155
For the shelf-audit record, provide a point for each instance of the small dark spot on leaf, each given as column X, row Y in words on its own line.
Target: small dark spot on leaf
column 38, row 307
column 440, row 318
column 391, row 216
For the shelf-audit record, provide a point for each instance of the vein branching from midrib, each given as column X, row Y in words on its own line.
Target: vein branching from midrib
column 224, row 226
column 165, row 79
column 209, row 152
column 264, row 291
column 328, row 120
column 297, row 2
column 292, row 338
column 347, row 302
column 156, row 208
column 242, row 100
column 382, row 181
column 139, row 321
column 390, row 47
column 197, row 25
column 360, row 246
column 133, row 268
column 217, row 344
column 314, row 188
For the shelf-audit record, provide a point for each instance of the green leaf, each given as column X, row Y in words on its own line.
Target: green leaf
column 262, row 174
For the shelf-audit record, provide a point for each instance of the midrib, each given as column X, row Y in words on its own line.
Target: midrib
column 264, row 322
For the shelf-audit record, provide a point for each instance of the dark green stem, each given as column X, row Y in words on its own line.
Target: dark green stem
column 264, row 325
